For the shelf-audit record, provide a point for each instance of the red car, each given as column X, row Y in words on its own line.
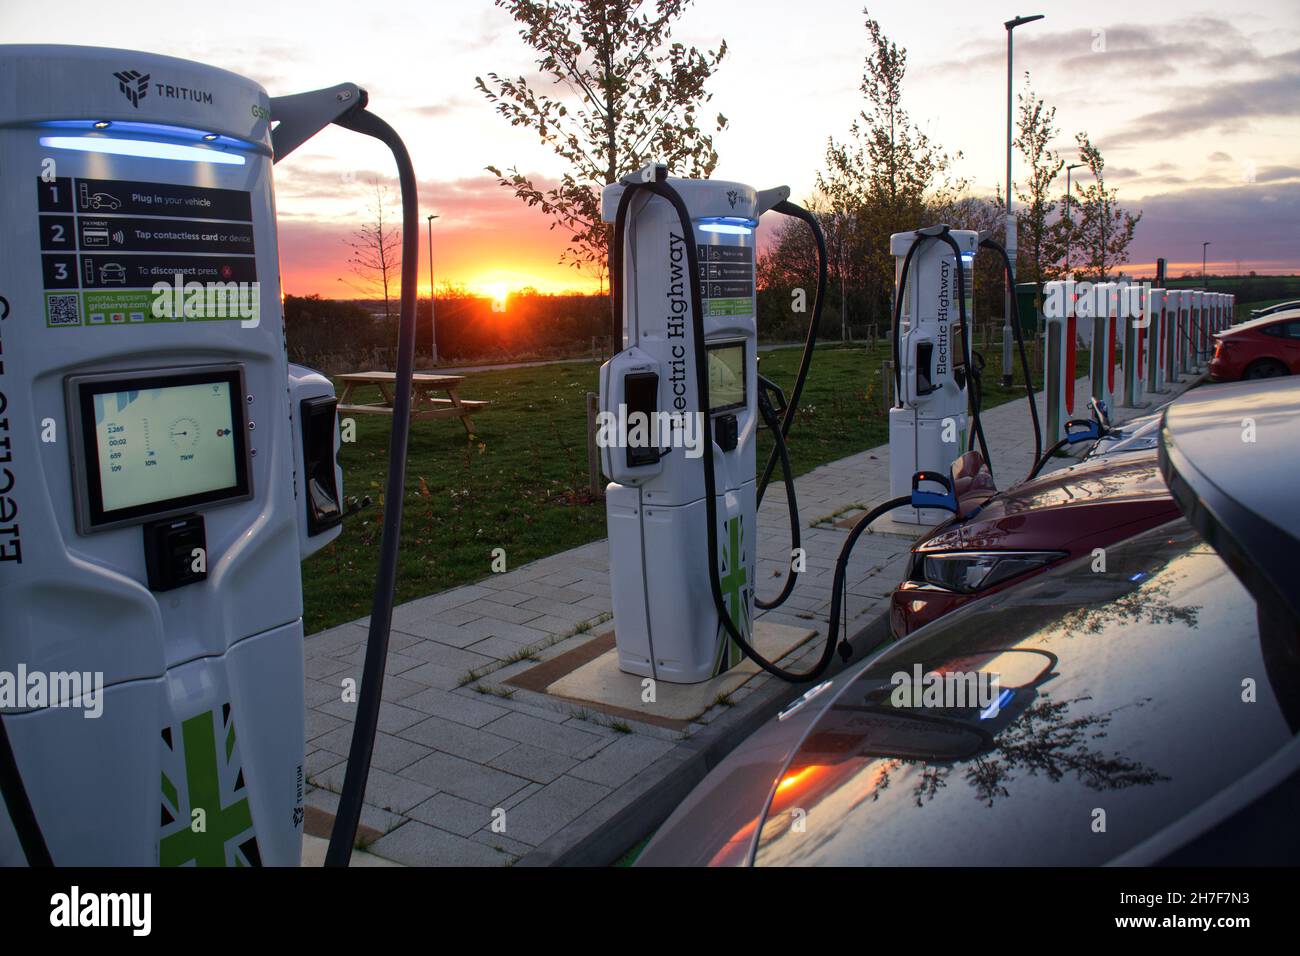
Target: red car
column 999, row 539
column 1262, row 348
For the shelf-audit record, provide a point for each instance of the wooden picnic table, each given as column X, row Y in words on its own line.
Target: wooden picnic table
column 424, row 403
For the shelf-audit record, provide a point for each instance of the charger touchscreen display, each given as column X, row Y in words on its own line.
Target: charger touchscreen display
column 726, row 376
column 157, row 444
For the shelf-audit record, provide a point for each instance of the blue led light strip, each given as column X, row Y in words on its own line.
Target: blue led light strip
column 144, row 148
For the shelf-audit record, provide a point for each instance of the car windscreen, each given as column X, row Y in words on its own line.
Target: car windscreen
column 1060, row 722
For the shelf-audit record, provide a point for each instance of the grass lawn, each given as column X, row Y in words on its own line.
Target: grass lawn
column 520, row 484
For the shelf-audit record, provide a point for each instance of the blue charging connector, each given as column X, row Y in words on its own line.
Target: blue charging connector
column 947, row 500
column 1082, row 429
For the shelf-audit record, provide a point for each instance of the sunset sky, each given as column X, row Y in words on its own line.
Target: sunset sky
column 1197, row 111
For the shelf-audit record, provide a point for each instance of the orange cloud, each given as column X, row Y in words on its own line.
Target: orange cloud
column 483, row 237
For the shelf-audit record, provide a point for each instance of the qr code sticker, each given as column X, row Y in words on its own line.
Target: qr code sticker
column 63, row 310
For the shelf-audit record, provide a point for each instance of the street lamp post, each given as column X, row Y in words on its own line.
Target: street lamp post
column 433, row 332
column 1069, row 226
column 1011, row 225
column 1203, row 247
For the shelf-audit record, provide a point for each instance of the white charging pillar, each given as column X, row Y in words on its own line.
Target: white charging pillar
column 165, row 469
column 666, row 624
column 928, row 422
column 1060, row 348
column 1185, row 340
column 1198, row 328
column 1135, row 319
column 1104, row 306
column 1156, row 337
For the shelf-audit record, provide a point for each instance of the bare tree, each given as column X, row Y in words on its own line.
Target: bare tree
column 625, row 94
column 376, row 256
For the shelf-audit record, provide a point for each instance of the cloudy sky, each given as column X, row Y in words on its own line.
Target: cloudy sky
column 1197, row 110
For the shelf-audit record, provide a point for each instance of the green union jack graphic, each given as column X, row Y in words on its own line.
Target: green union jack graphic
column 736, row 591
column 202, row 772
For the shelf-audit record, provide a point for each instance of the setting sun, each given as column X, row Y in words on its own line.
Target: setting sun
column 499, row 292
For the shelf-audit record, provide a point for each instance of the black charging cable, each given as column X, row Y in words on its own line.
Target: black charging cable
column 780, row 451
column 19, row 805
column 348, row 816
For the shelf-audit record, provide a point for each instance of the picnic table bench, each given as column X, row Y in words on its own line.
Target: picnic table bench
column 424, row 401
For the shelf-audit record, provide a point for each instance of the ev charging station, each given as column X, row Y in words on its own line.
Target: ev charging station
column 1207, row 326
column 666, row 626
column 682, row 514
column 928, row 423
column 1157, row 337
column 1174, row 334
column 1184, row 332
column 1198, row 328
column 1060, row 349
column 1136, row 319
column 1103, row 358
column 165, row 470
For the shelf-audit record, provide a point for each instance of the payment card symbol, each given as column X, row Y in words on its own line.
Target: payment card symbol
column 94, row 236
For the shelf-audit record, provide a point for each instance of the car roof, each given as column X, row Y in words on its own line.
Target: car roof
column 1263, row 320
column 1277, row 307
column 1124, row 694
column 1229, row 454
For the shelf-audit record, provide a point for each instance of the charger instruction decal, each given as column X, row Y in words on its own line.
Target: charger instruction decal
column 726, row 279
column 106, row 243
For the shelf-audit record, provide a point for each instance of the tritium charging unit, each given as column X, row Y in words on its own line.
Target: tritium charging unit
column 928, row 420
column 163, row 469
column 666, row 624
